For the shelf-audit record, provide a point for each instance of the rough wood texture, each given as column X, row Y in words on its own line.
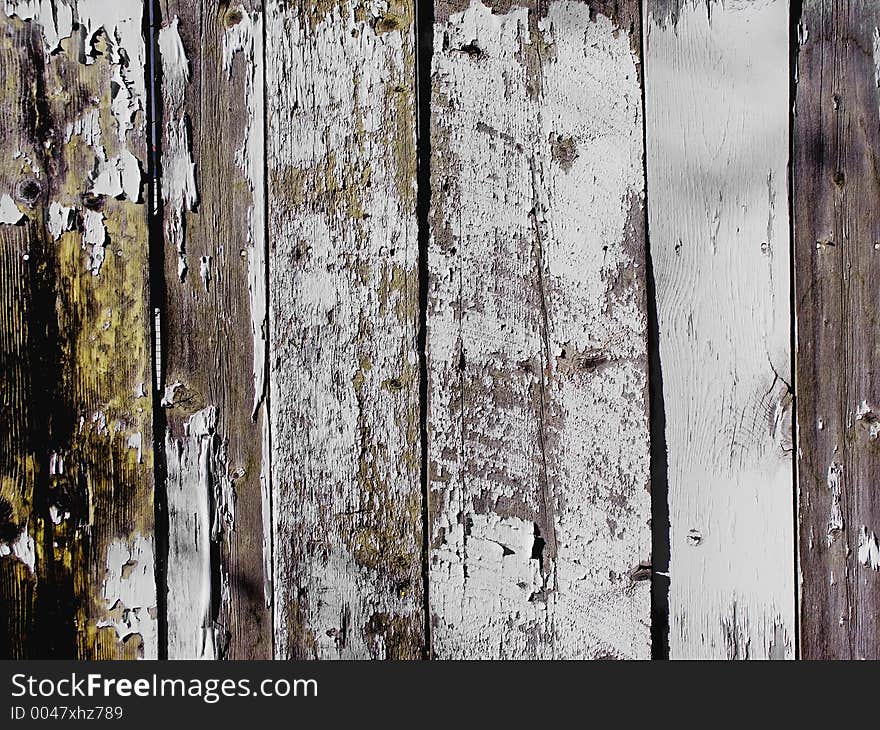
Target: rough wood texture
column 837, row 244
column 537, row 418
column 214, row 338
column 344, row 310
column 717, row 129
column 76, row 484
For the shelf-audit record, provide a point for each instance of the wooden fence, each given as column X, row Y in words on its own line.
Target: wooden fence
column 464, row 329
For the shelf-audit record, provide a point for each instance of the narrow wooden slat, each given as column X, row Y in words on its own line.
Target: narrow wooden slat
column 77, row 461
column 214, row 337
column 538, row 440
column 343, row 365
column 837, row 245
column 716, row 83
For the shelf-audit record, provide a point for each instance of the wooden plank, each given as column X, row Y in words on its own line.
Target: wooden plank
column 837, row 238
column 716, row 89
column 214, row 338
column 343, row 365
column 77, row 462
column 538, row 431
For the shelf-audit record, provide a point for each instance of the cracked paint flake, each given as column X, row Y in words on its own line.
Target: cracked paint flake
column 192, row 465
column 869, row 549
column 9, row 212
column 835, row 519
column 23, row 549
column 129, row 592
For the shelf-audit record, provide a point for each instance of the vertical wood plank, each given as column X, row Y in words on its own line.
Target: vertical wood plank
column 77, row 483
column 343, row 319
column 837, row 244
column 717, row 118
column 538, row 433
column 214, row 340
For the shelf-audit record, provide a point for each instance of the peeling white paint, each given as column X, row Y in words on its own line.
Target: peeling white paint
column 246, row 37
column 835, row 519
column 869, row 549
column 332, row 105
column 876, row 48
column 192, row 472
column 56, row 464
column 129, row 592
column 205, row 270
column 9, row 211
column 170, row 394
column 23, row 549
column 869, row 417
column 178, row 168
column 61, row 219
column 94, row 239
column 136, row 442
column 55, row 18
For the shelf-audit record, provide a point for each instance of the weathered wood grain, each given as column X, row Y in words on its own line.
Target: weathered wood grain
column 343, row 365
column 77, row 487
column 837, row 258
column 716, row 85
column 214, row 338
column 537, row 420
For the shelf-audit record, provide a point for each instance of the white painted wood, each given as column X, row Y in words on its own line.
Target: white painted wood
column 538, row 435
column 343, row 365
column 717, row 130
column 192, row 471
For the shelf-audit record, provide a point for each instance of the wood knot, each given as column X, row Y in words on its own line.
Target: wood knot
column 92, row 201
column 472, row 49
column 233, row 17
column 8, row 529
column 28, row 191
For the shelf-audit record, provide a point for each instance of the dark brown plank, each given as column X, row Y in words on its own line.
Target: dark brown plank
column 215, row 328
column 837, row 237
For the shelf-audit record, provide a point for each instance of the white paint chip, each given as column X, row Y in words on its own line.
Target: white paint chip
column 9, row 212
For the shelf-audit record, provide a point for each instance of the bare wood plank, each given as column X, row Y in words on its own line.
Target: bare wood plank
column 81, row 484
column 717, row 128
column 837, row 244
column 538, row 433
column 214, row 339
column 343, row 318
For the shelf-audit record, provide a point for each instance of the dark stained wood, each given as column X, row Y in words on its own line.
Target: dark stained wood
column 836, row 187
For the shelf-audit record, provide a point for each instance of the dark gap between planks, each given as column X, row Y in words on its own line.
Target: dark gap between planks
column 424, row 40
column 794, row 18
column 157, row 298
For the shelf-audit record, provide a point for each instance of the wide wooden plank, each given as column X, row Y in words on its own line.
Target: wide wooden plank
column 837, row 238
column 214, row 333
column 77, row 484
column 537, row 421
column 716, row 89
column 343, row 365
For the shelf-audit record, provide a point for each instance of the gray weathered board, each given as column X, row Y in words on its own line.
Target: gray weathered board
column 536, row 335
column 395, row 329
